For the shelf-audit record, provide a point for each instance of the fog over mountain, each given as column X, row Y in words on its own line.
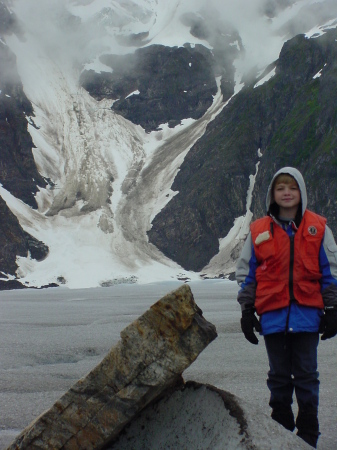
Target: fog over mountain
column 105, row 104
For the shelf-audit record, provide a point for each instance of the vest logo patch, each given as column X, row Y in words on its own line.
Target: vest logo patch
column 262, row 237
column 312, row 230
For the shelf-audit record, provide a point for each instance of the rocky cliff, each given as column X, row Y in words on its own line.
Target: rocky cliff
column 289, row 120
column 158, row 84
column 19, row 174
column 18, row 171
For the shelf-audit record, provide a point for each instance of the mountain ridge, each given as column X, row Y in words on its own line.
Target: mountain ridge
column 284, row 114
column 94, row 143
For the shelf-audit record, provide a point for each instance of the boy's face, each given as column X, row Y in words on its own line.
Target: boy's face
column 287, row 195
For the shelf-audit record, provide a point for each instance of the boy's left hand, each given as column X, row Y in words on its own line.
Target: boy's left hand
column 248, row 322
column 328, row 325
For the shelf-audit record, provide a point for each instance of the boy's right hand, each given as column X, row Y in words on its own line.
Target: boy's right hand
column 328, row 325
column 248, row 322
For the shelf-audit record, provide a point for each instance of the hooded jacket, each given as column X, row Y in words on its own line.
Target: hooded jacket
column 288, row 267
column 299, row 278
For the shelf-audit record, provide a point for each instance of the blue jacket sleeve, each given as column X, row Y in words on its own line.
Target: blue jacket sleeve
column 245, row 275
column 328, row 267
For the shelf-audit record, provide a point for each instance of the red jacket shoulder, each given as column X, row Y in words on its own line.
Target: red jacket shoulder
column 310, row 215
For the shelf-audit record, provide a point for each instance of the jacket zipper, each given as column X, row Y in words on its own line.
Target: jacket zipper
column 291, row 269
column 291, row 280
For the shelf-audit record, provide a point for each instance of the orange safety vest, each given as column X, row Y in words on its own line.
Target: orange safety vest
column 288, row 267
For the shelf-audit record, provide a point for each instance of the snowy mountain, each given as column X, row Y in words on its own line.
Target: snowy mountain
column 137, row 137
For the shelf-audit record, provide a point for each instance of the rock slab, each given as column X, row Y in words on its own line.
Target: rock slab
column 153, row 352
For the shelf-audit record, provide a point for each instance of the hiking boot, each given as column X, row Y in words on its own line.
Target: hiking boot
column 307, row 426
column 284, row 416
column 310, row 439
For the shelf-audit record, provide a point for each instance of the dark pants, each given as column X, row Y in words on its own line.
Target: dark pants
column 293, row 366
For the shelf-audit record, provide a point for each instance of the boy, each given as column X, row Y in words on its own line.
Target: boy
column 288, row 275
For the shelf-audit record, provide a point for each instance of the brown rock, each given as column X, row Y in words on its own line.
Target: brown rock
column 153, row 352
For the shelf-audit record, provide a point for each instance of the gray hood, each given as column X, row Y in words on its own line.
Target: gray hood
column 300, row 181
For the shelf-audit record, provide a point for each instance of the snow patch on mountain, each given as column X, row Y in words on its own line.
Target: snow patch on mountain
column 230, row 246
column 265, row 78
column 109, row 178
column 320, row 30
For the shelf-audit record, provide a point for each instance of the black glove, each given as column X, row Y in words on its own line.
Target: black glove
column 328, row 325
column 249, row 321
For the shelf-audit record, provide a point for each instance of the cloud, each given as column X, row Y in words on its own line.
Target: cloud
column 61, row 34
column 255, row 29
column 73, row 30
column 264, row 25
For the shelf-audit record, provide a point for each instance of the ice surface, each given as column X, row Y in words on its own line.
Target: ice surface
column 50, row 338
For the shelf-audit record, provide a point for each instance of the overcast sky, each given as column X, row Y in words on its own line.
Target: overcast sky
column 46, row 19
